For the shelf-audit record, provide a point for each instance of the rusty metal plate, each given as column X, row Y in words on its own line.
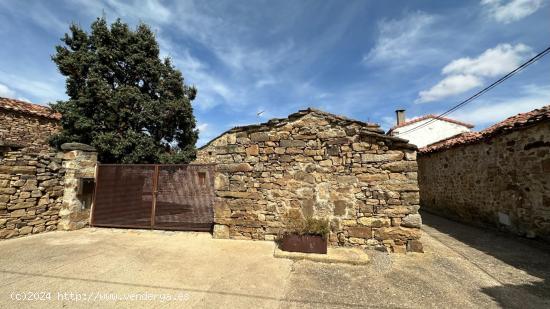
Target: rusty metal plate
column 175, row 197
column 185, row 197
column 124, row 196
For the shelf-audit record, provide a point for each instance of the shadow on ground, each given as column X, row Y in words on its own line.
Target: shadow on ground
column 522, row 266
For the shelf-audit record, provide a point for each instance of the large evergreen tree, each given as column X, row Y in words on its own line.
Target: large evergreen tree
column 123, row 99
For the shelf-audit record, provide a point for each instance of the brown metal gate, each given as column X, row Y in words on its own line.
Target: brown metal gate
column 157, row 196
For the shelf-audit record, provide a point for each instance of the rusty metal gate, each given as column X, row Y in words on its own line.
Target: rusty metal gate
column 156, row 196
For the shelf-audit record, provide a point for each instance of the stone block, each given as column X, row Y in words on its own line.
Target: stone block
column 374, row 221
column 398, row 210
column 220, row 231
column 410, row 155
column 332, row 133
column 303, row 176
column 415, row 246
column 401, row 249
column 38, row 229
column 338, row 141
column 401, row 166
column 25, row 230
column 397, row 233
column 21, row 205
column 259, row 136
column 340, row 207
column 8, row 190
column 17, row 213
column 292, row 143
column 235, row 167
column 360, row 232
column 412, row 220
column 18, row 170
column 253, row 150
column 8, row 233
column 391, row 156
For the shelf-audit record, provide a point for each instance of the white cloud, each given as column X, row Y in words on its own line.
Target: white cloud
column 6, row 92
column 492, row 62
column 46, row 90
column 512, row 10
column 202, row 127
column 24, row 99
column 450, row 85
column 150, row 11
column 467, row 73
column 267, row 81
column 401, row 39
column 489, row 112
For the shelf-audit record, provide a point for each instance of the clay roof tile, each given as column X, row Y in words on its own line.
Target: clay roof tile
column 28, row 108
column 509, row 124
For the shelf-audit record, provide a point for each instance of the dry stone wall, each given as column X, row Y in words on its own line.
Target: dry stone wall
column 502, row 182
column 315, row 164
column 26, row 131
column 31, row 190
column 39, row 191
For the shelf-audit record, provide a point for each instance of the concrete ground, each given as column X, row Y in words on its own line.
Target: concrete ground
column 463, row 267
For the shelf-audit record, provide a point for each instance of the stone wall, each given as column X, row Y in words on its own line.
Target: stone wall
column 502, row 182
column 31, row 190
column 79, row 162
column 316, row 164
column 27, row 131
column 38, row 192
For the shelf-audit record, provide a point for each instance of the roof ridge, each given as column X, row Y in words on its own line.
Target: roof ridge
column 28, row 108
column 512, row 123
column 374, row 127
column 433, row 116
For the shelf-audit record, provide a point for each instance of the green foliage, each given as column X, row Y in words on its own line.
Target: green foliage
column 124, row 100
column 309, row 226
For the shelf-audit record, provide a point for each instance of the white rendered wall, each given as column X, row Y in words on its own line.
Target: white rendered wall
column 433, row 132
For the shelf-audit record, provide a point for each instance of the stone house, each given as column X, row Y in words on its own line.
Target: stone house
column 498, row 177
column 25, row 126
column 428, row 129
column 316, row 164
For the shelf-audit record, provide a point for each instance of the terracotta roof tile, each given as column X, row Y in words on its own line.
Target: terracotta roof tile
column 28, row 108
column 431, row 116
column 509, row 124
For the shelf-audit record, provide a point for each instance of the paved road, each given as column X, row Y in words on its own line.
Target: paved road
column 463, row 267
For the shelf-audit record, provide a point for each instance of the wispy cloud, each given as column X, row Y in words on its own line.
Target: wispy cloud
column 511, row 11
column 212, row 90
column 48, row 90
column 402, row 40
column 150, row 11
column 6, row 92
column 467, row 73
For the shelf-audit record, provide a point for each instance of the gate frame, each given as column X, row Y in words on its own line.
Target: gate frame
column 154, row 201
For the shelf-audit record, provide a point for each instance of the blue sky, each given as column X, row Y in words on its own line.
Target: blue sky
column 362, row 59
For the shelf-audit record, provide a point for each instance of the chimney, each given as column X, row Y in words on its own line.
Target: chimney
column 400, row 113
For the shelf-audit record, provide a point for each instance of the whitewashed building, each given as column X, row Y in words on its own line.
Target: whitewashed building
column 428, row 129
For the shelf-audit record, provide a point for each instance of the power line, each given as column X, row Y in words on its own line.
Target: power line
column 484, row 90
